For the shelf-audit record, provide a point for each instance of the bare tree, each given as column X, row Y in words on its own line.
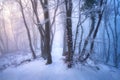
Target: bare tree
column 46, row 31
column 27, row 28
column 45, row 8
column 88, row 5
column 100, row 15
column 68, row 7
column 39, row 26
column 115, row 32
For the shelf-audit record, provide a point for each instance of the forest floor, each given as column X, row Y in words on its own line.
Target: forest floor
column 37, row 70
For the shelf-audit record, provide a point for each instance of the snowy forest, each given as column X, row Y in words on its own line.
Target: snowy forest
column 64, row 39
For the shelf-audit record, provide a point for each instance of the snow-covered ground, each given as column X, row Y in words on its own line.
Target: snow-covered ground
column 37, row 70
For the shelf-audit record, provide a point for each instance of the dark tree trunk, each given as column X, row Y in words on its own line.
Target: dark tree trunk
column 39, row 26
column 97, row 26
column 68, row 4
column 47, row 45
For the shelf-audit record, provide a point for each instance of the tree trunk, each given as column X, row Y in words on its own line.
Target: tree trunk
column 47, row 45
column 68, row 4
column 28, row 32
column 39, row 26
column 83, row 52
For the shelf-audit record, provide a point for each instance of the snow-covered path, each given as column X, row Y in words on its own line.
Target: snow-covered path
column 37, row 70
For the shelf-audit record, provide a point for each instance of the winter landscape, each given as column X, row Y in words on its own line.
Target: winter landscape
column 59, row 40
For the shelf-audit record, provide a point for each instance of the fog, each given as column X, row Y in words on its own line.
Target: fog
column 13, row 34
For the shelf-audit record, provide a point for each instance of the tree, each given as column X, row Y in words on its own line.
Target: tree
column 88, row 6
column 45, row 8
column 46, row 28
column 94, row 29
column 39, row 26
column 27, row 28
column 116, row 6
column 48, row 36
column 68, row 7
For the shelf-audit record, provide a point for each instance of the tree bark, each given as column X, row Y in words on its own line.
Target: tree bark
column 68, row 4
column 47, row 45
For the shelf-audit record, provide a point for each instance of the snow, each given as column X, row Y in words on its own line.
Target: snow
column 37, row 70
column 13, row 59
